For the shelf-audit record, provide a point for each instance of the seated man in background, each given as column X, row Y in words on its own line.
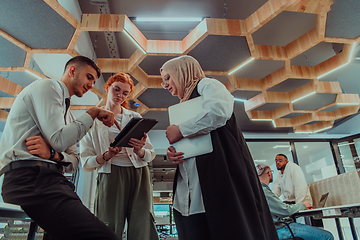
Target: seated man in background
column 281, row 212
column 290, row 182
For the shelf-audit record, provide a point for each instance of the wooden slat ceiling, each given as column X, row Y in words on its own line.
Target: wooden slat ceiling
column 265, row 104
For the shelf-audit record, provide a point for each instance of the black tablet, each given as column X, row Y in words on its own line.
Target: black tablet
column 134, row 129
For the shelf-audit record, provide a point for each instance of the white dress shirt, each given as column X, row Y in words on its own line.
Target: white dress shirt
column 218, row 107
column 292, row 184
column 39, row 110
column 97, row 142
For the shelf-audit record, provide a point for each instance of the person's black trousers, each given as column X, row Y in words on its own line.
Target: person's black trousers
column 48, row 198
column 193, row 227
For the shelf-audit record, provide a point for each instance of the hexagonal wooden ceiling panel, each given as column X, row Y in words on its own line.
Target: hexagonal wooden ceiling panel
column 273, row 54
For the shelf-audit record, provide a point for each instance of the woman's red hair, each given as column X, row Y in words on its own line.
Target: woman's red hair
column 124, row 78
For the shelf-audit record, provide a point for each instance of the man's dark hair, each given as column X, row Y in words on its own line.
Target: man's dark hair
column 283, row 155
column 81, row 61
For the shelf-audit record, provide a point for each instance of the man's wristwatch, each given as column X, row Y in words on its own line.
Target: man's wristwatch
column 52, row 153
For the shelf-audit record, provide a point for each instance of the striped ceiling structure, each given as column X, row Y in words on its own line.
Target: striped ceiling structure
column 270, row 74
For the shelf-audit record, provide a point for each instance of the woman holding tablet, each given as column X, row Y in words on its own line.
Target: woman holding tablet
column 217, row 195
column 123, row 185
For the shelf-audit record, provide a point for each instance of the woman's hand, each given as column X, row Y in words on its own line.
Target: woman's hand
column 138, row 145
column 175, row 157
column 113, row 151
column 103, row 158
column 173, row 133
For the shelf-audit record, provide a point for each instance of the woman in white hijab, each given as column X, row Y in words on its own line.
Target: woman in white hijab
column 216, row 195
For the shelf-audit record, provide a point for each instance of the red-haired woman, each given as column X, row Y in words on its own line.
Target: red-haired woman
column 124, row 190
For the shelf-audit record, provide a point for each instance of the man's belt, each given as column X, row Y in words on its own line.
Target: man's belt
column 33, row 163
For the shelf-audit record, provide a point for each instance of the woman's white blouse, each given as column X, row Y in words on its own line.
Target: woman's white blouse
column 217, row 109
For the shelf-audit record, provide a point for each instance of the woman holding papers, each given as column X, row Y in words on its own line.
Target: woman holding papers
column 216, row 195
column 123, row 183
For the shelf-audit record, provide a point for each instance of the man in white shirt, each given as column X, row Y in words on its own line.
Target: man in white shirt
column 290, row 182
column 39, row 127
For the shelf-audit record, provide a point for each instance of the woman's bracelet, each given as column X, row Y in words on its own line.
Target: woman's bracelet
column 103, row 155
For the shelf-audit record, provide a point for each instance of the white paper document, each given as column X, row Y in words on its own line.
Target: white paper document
column 182, row 112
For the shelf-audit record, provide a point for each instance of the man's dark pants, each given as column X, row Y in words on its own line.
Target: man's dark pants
column 48, row 198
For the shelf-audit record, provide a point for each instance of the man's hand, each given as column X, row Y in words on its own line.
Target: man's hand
column 173, row 133
column 103, row 115
column 138, row 145
column 175, row 157
column 37, row 146
column 308, row 205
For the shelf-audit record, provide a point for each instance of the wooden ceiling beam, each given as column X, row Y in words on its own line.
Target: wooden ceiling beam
column 154, row 81
column 80, row 107
column 36, row 73
column 199, row 33
column 135, row 33
column 328, row 87
column 255, row 102
column 254, row 115
column 302, row 91
column 164, row 48
column 6, row 102
column 345, row 98
column 316, row 127
column 139, row 89
column 74, row 39
column 3, row 115
column 251, row 45
column 103, row 22
column 345, row 111
column 10, row 87
column 339, row 40
column 226, row 27
column 27, row 59
column 282, row 111
column 135, row 60
column 303, row 72
column 320, row 24
column 217, row 73
column 270, row 52
column 264, row 14
column 142, row 109
column 303, row 43
column 14, row 40
column 140, row 75
column 63, row 12
column 113, row 65
column 275, row 78
column 334, row 62
column 313, row 6
column 248, row 84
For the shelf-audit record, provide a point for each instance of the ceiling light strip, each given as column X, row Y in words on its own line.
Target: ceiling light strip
column 347, row 104
column 32, row 74
column 322, row 129
column 303, row 97
column 352, row 51
column 351, row 54
column 133, row 40
column 345, row 144
column 155, row 19
column 258, row 119
column 239, row 100
column 241, row 66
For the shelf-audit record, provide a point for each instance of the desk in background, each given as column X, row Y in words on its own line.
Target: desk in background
column 350, row 211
